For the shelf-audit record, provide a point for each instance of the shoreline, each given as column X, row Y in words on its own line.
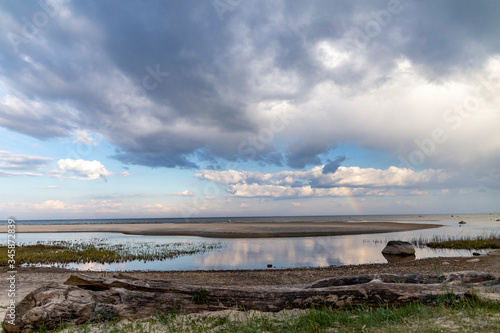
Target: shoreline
column 233, row 230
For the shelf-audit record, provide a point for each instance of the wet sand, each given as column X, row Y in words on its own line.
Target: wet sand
column 233, row 230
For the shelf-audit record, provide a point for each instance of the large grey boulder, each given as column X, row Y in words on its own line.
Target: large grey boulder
column 399, row 248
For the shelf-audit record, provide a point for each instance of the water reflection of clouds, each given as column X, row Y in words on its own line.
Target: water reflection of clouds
column 239, row 252
column 287, row 252
column 94, row 266
column 349, row 250
column 307, row 252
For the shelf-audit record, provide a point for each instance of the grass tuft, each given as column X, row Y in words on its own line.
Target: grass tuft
column 200, row 296
column 489, row 241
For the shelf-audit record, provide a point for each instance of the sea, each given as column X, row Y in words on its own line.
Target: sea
column 251, row 219
column 269, row 253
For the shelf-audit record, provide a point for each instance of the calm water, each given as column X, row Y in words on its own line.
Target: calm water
column 254, row 253
column 257, row 219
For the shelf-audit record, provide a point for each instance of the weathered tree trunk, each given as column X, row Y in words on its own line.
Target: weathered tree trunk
column 84, row 298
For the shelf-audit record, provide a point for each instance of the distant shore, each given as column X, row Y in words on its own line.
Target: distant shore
column 233, row 230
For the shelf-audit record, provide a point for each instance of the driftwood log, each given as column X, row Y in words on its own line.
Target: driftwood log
column 84, row 298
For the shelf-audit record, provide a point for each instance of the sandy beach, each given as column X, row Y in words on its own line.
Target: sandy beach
column 233, row 230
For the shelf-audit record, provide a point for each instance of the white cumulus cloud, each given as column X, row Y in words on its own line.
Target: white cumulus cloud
column 314, row 183
column 83, row 170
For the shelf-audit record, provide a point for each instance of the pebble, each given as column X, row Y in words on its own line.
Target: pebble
column 445, row 263
column 473, row 260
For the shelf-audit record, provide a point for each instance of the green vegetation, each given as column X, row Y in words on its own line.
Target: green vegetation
column 491, row 241
column 98, row 251
column 445, row 314
column 200, row 296
column 486, row 241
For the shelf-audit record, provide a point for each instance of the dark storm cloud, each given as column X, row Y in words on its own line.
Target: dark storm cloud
column 183, row 39
column 443, row 35
column 155, row 160
column 332, row 166
column 170, row 83
column 304, row 153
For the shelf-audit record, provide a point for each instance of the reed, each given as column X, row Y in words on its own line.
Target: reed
column 480, row 242
column 98, row 251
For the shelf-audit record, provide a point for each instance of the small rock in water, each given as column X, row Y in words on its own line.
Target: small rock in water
column 269, row 265
column 462, row 222
column 473, row 260
column 399, row 248
column 498, row 220
column 476, row 254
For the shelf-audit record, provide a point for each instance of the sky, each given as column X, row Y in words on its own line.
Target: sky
column 248, row 108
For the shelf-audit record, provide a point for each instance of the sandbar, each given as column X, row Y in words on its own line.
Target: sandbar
column 232, row 230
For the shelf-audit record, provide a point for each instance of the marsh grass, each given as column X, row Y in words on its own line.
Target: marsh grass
column 445, row 313
column 480, row 242
column 467, row 243
column 98, row 251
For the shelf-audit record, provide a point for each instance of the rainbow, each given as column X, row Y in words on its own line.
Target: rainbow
column 352, row 201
